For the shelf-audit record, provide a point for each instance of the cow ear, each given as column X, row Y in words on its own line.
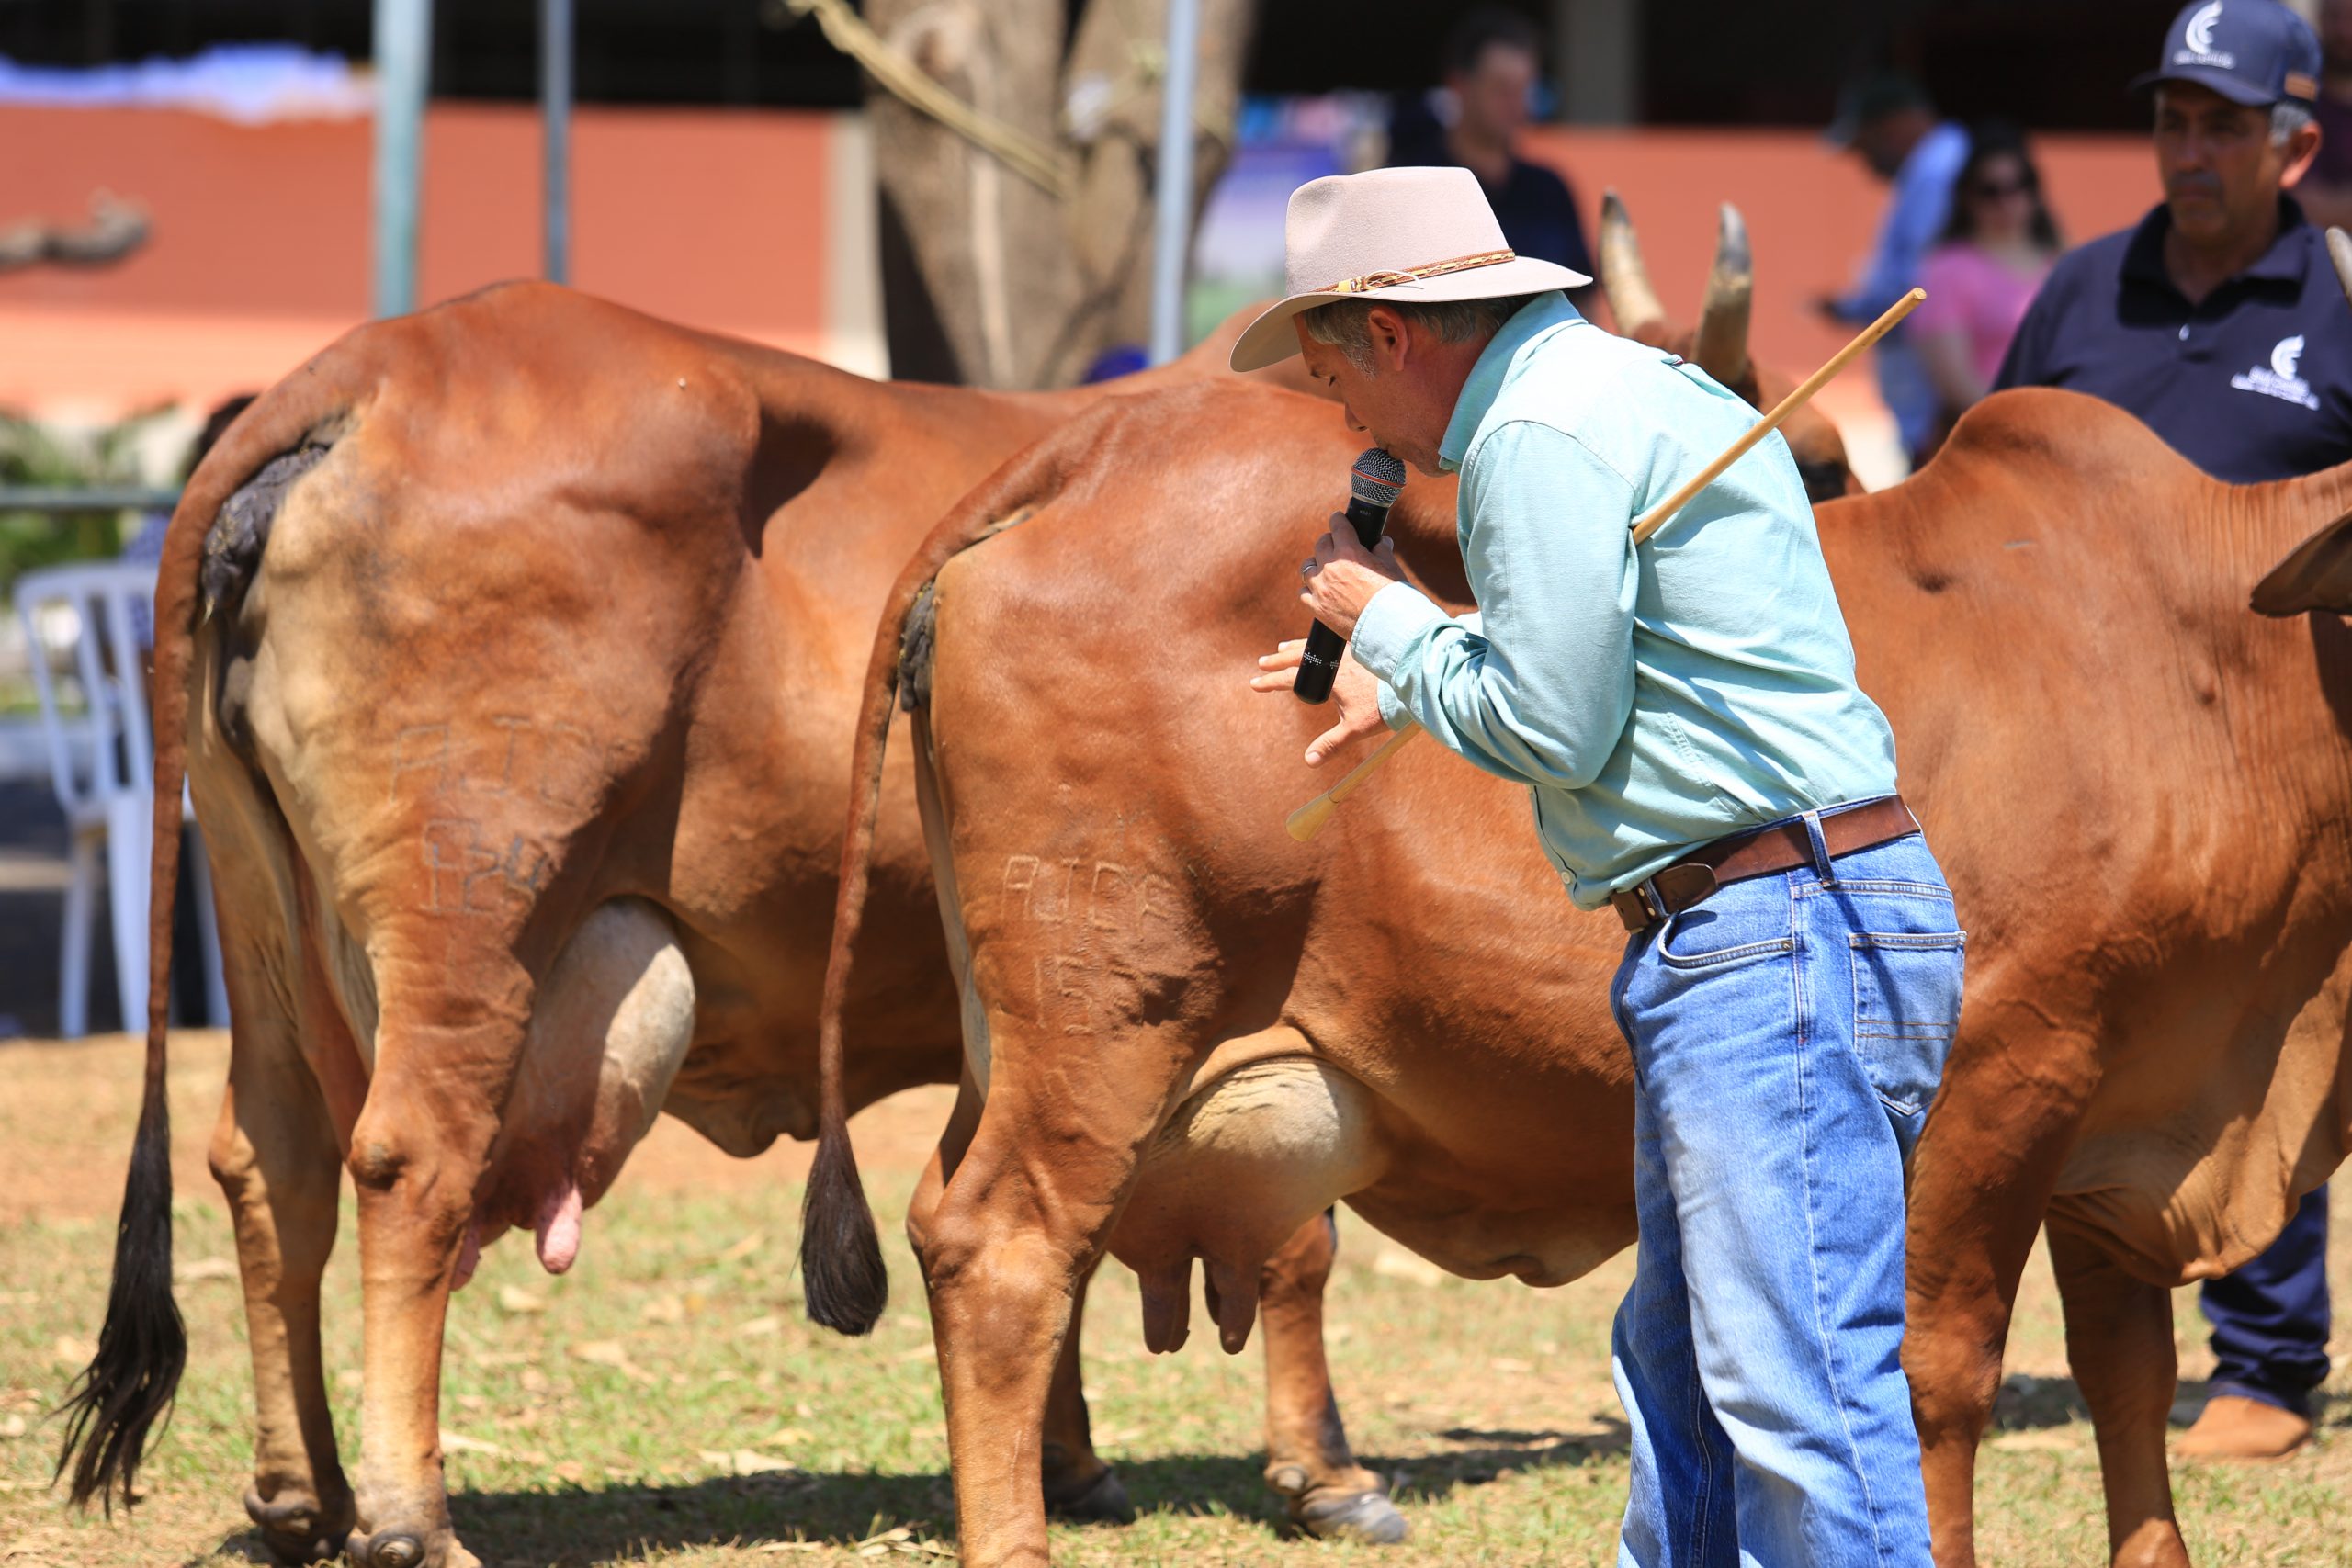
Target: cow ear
column 2317, row 575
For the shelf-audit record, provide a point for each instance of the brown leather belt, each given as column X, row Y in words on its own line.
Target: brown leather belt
column 1695, row 876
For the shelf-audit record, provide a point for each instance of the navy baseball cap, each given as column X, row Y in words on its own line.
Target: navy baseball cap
column 2251, row 52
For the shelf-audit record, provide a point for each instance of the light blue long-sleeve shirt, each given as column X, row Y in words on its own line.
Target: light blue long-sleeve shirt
column 1655, row 698
column 1916, row 217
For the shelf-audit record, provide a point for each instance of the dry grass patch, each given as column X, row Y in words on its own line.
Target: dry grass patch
column 667, row 1403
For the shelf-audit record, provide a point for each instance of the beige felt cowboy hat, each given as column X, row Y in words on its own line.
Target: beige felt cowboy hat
column 1422, row 235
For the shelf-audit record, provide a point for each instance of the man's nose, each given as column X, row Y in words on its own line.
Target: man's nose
column 1348, row 412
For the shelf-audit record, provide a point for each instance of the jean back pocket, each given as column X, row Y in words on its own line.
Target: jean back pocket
column 1906, row 1008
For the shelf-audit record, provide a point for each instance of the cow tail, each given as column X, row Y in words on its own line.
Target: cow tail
column 111, row 1410
column 840, row 1256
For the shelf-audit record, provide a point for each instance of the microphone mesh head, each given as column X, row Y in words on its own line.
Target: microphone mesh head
column 1376, row 478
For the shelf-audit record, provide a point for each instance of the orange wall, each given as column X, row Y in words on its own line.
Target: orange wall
column 719, row 219
column 259, row 252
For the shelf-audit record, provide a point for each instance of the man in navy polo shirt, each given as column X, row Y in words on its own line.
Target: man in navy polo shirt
column 2220, row 323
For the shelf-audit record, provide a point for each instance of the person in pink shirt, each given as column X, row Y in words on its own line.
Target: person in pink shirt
column 1999, row 245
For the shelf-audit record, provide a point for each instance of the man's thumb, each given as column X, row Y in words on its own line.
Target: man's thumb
column 1325, row 744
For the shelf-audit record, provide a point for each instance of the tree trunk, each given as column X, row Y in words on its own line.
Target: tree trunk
column 988, row 279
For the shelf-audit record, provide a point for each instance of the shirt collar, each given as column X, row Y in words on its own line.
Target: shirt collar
column 1478, row 393
column 2143, row 259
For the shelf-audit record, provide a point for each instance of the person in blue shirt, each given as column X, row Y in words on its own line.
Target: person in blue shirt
column 2219, row 322
column 1492, row 59
column 1889, row 122
column 1699, row 758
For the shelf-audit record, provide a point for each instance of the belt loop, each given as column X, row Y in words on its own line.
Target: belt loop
column 1821, row 866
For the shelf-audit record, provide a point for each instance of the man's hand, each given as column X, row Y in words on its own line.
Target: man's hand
column 1342, row 576
column 1354, row 692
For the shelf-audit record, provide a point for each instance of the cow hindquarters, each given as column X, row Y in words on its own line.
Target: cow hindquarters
column 1307, row 1457
column 2119, row 1344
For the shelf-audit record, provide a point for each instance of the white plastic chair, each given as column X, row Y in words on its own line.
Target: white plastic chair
column 103, row 763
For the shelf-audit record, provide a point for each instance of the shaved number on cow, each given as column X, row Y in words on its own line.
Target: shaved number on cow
column 474, row 863
column 1105, row 911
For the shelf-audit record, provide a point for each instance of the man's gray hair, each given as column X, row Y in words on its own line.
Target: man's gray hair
column 2288, row 117
column 1346, row 324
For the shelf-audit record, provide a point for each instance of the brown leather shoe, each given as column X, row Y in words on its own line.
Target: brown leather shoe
column 2234, row 1427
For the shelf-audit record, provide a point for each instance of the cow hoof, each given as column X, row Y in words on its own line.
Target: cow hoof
column 1101, row 1500
column 391, row 1549
column 293, row 1529
column 1368, row 1517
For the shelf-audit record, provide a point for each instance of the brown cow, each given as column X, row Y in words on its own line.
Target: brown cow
column 1185, row 1032
column 1718, row 344
column 516, row 694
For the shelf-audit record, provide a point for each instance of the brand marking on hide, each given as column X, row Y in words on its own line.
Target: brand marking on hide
column 501, row 755
column 464, row 875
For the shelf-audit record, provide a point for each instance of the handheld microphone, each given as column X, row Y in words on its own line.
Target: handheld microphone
column 1373, row 486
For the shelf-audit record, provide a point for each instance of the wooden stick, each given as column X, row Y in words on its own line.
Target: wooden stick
column 1311, row 818
column 1308, row 819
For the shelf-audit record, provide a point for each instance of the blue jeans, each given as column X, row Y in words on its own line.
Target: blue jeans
column 1788, row 1035
column 2270, row 1318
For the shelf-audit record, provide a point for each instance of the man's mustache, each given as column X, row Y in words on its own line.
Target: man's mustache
column 2193, row 185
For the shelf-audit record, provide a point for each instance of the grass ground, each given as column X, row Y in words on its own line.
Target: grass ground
column 666, row 1403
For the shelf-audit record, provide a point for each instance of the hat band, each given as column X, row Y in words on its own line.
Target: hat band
column 1372, row 280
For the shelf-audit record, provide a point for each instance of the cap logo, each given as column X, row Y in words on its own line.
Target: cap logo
column 2201, row 27
column 2199, row 36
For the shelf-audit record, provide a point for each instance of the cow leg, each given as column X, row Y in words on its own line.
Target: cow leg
column 444, row 1065
column 1980, row 1182
column 273, row 1153
column 2118, row 1341
column 1079, row 1484
column 1006, row 1255
column 1307, row 1457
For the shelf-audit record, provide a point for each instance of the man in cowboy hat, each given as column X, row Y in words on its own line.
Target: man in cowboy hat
column 1685, row 715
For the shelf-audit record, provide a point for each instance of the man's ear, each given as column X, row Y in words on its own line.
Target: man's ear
column 1392, row 341
column 2301, row 150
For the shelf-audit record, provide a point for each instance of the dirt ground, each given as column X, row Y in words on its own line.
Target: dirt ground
column 666, row 1403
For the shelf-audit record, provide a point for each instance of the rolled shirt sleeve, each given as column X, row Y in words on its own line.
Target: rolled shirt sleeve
column 1538, row 687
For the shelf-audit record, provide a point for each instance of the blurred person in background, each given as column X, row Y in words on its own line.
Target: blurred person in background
column 1997, row 248
column 2219, row 322
column 2326, row 192
column 1493, row 62
column 1891, row 124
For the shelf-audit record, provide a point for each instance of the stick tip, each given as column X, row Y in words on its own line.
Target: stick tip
column 1309, row 819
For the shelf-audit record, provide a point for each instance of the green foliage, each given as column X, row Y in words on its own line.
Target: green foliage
column 33, row 454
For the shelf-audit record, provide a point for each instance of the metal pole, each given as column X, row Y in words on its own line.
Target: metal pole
column 555, row 122
column 403, row 55
column 1173, row 234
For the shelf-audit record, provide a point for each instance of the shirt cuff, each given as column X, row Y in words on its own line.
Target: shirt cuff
column 1395, row 619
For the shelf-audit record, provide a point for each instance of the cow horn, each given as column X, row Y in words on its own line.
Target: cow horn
column 1624, row 278
column 1731, row 287
column 2340, row 251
